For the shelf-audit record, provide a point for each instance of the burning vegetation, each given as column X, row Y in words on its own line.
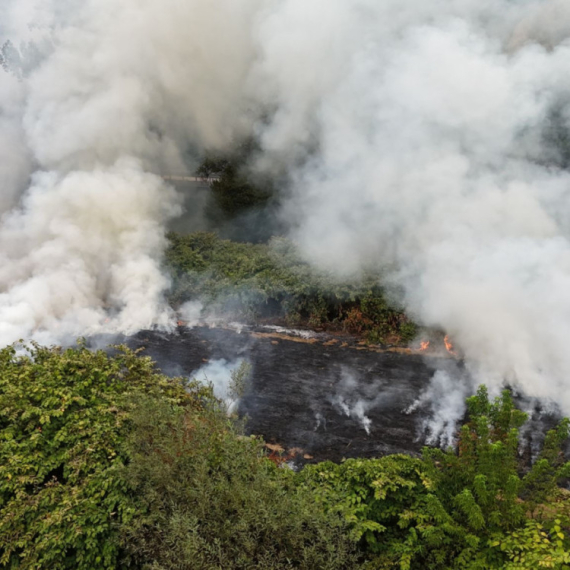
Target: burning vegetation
column 449, row 345
column 438, row 343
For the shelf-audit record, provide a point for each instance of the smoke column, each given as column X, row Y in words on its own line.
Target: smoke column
column 429, row 139
column 102, row 96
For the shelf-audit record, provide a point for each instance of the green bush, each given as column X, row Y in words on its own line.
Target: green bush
column 470, row 508
column 256, row 281
column 64, row 415
column 393, row 509
column 212, row 500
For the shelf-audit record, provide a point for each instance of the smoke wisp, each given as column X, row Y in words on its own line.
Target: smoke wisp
column 225, row 378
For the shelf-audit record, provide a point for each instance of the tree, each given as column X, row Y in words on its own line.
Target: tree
column 210, row 499
column 64, row 416
column 470, row 507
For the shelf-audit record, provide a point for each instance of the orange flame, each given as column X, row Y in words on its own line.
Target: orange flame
column 449, row 345
column 424, row 345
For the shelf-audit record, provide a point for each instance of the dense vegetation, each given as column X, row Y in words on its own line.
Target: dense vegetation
column 211, row 499
column 271, row 281
column 466, row 508
column 242, row 205
column 104, row 463
column 64, row 417
column 233, row 190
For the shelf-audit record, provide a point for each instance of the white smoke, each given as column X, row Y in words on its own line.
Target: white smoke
column 82, row 249
column 349, row 402
column 416, row 136
column 444, row 398
column 106, row 93
column 431, row 159
column 219, row 374
column 191, row 313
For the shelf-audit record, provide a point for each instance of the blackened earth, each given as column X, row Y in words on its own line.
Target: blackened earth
column 318, row 396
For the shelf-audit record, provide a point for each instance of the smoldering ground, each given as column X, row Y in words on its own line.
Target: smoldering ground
column 324, row 401
column 292, row 397
column 414, row 136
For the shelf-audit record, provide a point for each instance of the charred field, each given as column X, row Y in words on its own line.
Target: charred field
column 320, row 397
column 290, row 399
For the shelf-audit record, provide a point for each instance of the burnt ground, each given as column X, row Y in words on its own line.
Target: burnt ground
column 312, row 397
column 315, row 395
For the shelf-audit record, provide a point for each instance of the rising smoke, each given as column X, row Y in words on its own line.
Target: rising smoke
column 417, row 137
column 349, row 402
column 221, row 376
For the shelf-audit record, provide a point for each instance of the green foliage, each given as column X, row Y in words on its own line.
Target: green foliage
column 211, row 499
column 104, row 463
column 238, row 380
column 530, row 547
column 480, row 484
column 468, row 508
column 271, row 280
column 234, row 189
column 394, row 509
column 63, row 418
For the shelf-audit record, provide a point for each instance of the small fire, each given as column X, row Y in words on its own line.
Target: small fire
column 449, row 345
column 424, row 345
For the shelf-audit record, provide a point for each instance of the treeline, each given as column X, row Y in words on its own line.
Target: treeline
column 271, row 281
column 104, row 463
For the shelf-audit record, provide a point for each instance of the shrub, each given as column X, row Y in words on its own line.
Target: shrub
column 212, row 500
column 64, row 415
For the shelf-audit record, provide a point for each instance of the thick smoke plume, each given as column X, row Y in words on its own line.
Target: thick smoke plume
column 430, row 139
